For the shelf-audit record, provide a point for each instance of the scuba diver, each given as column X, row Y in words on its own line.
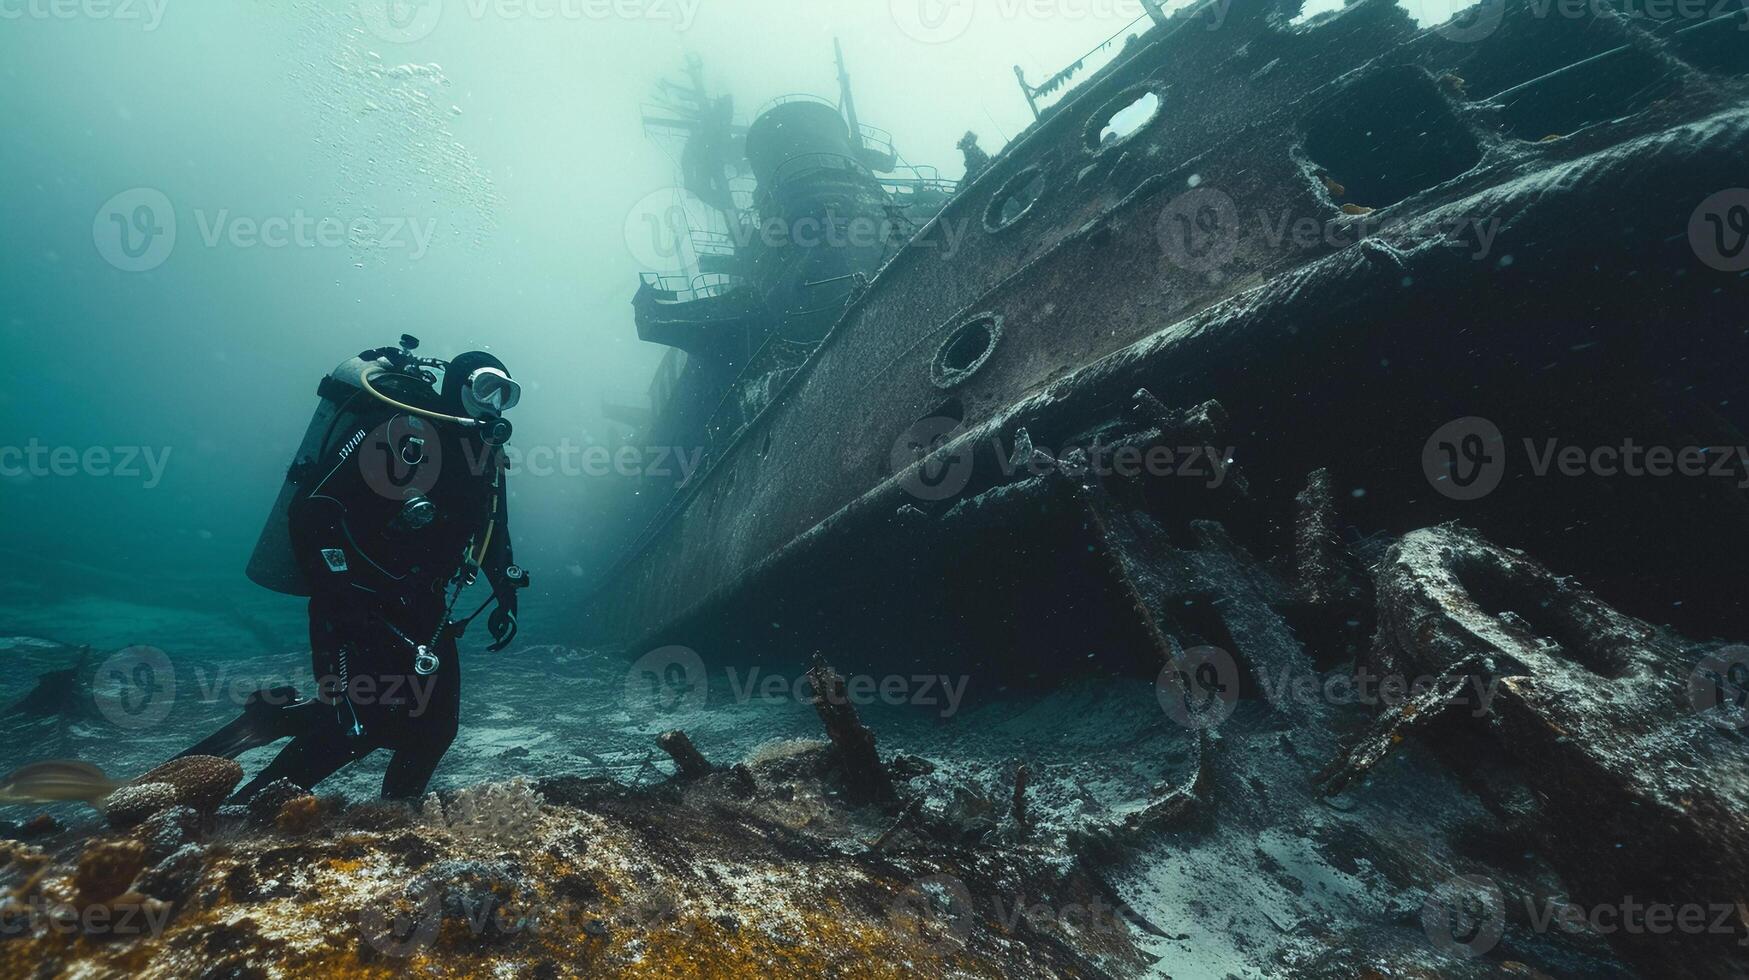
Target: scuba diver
column 394, row 506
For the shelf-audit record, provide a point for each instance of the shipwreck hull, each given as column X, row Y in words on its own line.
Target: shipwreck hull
column 1559, row 296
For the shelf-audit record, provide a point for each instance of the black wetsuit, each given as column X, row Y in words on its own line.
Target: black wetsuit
column 382, row 588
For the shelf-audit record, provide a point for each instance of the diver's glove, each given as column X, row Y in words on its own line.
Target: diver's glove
column 502, row 624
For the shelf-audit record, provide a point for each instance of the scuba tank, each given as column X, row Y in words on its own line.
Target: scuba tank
column 356, row 393
column 272, row 565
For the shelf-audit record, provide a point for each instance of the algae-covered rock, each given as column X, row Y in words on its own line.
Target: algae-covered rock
column 107, row 868
column 174, row 878
column 168, row 831
column 299, row 815
column 265, row 805
column 494, row 899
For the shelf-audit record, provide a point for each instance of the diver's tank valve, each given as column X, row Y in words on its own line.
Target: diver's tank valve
column 408, row 361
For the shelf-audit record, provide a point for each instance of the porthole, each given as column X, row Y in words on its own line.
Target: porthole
column 1123, row 118
column 1016, row 199
column 965, row 350
column 1387, row 136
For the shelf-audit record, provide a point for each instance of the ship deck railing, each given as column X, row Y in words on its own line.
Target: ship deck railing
column 712, row 243
column 794, row 97
column 923, row 179
column 878, row 140
column 669, row 290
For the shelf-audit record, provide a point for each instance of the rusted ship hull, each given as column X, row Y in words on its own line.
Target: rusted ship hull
column 1482, row 269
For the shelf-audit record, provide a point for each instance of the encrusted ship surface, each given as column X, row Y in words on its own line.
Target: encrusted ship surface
column 1500, row 212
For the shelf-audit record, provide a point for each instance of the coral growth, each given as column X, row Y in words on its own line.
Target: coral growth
column 198, row 782
column 134, row 804
column 201, row 781
column 504, row 812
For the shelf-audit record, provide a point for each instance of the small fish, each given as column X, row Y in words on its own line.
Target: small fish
column 58, row 781
column 1355, row 209
column 1552, row 137
column 1335, row 189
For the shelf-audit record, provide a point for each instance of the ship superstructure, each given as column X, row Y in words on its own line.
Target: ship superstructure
column 775, row 226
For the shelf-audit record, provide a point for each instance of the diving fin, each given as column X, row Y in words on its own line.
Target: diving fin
column 268, row 716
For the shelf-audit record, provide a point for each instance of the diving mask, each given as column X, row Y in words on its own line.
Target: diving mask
column 489, row 392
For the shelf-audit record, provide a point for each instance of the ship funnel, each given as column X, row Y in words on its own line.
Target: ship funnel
column 793, row 131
